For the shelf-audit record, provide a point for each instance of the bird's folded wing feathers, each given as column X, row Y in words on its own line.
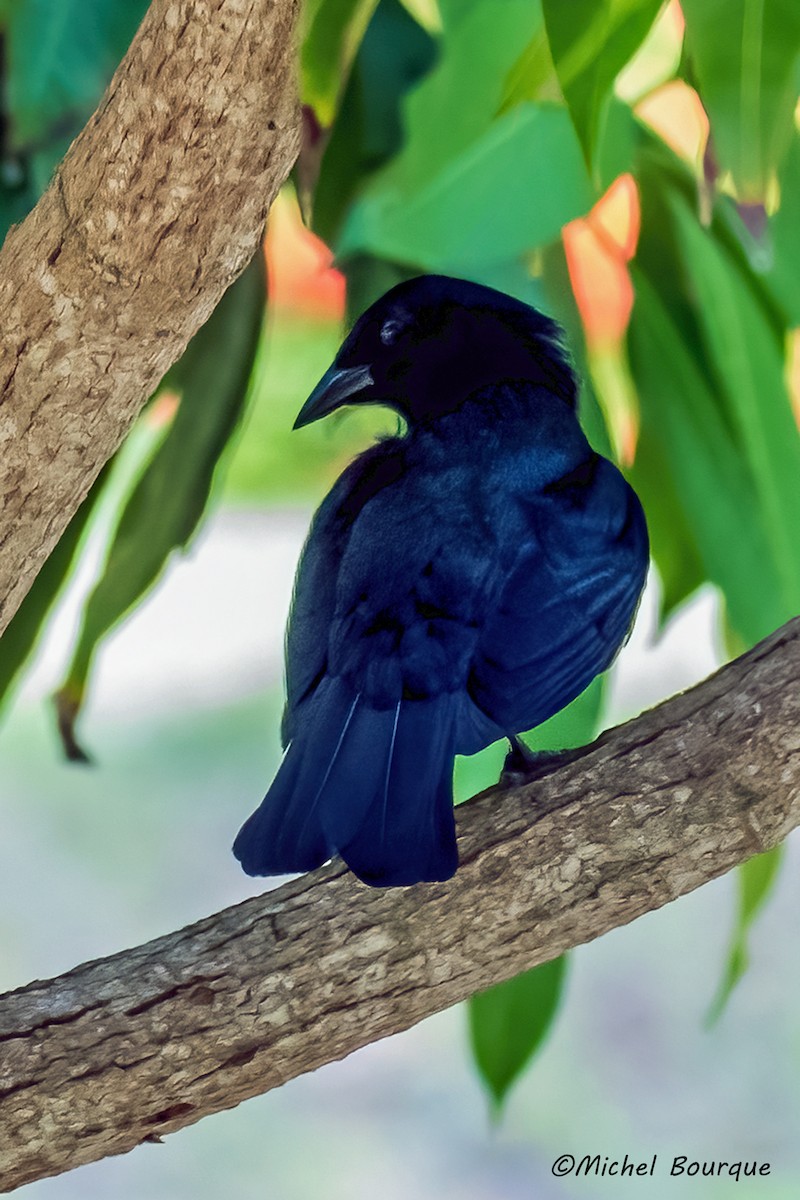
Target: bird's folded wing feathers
column 314, row 599
column 566, row 607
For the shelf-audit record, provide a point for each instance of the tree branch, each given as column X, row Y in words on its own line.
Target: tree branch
column 123, row 1050
column 159, row 204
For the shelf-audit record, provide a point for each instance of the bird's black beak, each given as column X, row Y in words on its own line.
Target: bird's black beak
column 335, row 388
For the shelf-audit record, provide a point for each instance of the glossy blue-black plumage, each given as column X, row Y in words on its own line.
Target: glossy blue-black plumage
column 460, row 583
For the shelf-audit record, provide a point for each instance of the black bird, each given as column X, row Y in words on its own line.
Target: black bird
column 461, row 582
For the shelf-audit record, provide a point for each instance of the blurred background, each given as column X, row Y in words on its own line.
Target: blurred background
column 633, row 168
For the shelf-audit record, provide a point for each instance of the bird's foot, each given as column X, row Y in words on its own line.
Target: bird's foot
column 523, row 765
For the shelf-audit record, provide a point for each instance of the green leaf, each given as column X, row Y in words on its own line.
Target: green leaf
column 468, row 188
column 756, row 879
column 458, row 101
column 426, row 13
column 476, row 772
column 61, row 54
column 670, row 525
column 166, row 504
column 615, row 150
column 575, row 725
column 491, row 203
column 513, row 276
column 783, row 274
column 680, row 412
column 681, row 464
column 697, row 413
column 590, row 42
column 394, row 54
column 22, row 633
column 531, row 74
column 509, row 1023
column 328, row 50
column 745, row 55
column 747, row 358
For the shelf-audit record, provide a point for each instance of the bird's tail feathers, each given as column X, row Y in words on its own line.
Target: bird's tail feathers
column 373, row 785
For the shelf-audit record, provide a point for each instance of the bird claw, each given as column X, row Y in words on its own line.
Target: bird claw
column 523, row 765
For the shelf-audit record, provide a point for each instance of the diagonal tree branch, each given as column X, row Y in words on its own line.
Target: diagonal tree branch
column 128, row 1048
column 157, row 207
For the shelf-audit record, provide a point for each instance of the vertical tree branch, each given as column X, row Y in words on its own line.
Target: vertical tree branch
column 157, row 207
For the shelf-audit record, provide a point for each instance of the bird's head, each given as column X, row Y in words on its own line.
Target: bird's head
column 431, row 342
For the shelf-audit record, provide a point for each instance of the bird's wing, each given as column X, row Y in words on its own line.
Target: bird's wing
column 569, row 601
column 417, row 577
column 315, row 585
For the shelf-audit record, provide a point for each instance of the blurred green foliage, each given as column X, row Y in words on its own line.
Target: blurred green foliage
column 462, row 137
column 59, row 56
column 755, row 881
column 270, row 463
column 508, row 1024
column 587, row 78
column 743, row 55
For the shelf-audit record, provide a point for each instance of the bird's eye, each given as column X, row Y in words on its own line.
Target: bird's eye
column 389, row 331
column 394, row 325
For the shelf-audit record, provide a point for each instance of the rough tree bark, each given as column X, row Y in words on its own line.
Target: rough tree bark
column 158, row 206
column 128, row 1048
